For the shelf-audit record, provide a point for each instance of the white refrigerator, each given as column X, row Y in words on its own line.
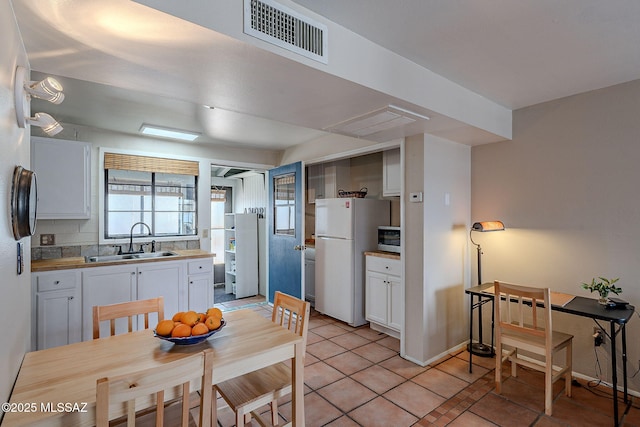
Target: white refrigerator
column 345, row 228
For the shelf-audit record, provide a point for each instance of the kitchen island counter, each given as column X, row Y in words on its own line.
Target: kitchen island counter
column 383, row 254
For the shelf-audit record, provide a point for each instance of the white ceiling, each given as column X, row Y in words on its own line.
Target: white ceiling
column 123, row 64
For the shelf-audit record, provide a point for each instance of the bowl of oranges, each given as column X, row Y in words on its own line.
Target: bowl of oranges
column 190, row 327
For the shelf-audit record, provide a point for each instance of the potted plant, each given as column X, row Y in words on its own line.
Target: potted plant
column 603, row 287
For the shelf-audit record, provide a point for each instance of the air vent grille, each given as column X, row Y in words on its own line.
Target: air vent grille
column 279, row 25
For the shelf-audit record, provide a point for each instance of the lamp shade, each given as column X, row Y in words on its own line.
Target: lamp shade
column 488, row 226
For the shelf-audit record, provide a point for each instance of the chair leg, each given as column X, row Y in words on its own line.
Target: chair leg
column 274, row 412
column 514, row 364
column 567, row 376
column 498, row 368
column 548, row 387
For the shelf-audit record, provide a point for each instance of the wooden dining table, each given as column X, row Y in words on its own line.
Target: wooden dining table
column 57, row 386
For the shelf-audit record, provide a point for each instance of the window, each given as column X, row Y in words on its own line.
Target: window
column 158, row 192
column 284, row 215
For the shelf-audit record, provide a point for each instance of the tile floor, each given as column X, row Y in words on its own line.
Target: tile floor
column 355, row 377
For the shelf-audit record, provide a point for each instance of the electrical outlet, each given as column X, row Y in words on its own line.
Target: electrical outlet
column 598, row 336
column 47, row 239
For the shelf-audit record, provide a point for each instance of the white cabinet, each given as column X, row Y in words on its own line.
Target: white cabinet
column 110, row 285
column 310, row 275
column 384, row 294
column 162, row 279
column 200, row 284
column 391, row 173
column 241, row 254
column 56, row 306
column 102, row 286
column 63, row 170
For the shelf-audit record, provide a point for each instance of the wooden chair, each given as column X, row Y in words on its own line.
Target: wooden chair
column 537, row 337
column 122, row 391
column 130, row 310
column 247, row 393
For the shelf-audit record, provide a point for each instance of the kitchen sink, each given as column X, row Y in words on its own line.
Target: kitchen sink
column 128, row 257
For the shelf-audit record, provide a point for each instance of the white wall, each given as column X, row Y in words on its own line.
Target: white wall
column 86, row 232
column 566, row 188
column 436, row 247
column 15, row 304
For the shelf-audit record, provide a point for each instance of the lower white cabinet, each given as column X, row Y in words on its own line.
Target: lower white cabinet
column 384, row 294
column 102, row 286
column 200, row 284
column 56, row 302
column 63, row 300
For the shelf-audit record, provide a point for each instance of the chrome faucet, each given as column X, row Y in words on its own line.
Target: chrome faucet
column 131, row 236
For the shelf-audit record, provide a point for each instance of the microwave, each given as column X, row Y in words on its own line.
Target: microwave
column 389, row 239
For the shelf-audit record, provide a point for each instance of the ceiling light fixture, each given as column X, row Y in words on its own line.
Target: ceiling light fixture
column 48, row 89
column 171, row 133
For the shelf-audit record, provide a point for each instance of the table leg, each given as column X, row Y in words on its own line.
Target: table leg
column 470, row 333
column 614, row 374
column 297, row 384
column 624, row 361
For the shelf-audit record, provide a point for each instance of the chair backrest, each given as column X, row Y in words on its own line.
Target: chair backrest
column 129, row 310
column 520, row 314
column 115, row 393
column 292, row 313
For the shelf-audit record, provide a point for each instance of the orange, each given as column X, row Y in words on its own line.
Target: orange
column 214, row 312
column 164, row 328
column 201, row 317
column 212, row 323
column 178, row 316
column 189, row 318
column 181, row 330
column 199, row 329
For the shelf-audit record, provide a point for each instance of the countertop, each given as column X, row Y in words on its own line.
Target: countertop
column 383, row 254
column 79, row 262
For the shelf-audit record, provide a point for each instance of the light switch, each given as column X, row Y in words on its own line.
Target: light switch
column 415, row 197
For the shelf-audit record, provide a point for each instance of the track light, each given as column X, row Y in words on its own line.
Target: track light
column 48, row 89
column 48, row 124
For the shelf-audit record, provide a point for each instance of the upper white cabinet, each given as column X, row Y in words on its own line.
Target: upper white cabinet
column 63, row 172
column 391, row 173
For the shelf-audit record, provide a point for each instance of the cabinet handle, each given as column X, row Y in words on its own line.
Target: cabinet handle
column 57, row 282
column 200, row 267
column 191, row 282
column 386, row 266
column 133, row 273
column 70, row 298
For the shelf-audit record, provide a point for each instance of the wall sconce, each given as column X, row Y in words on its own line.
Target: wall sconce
column 479, row 348
column 48, row 89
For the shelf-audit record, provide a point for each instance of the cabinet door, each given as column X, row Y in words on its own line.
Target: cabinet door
column 376, row 297
column 200, row 292
column 63, row 169
column 391, row 174
column 102, row 286
column 58, row 318
column 164, row 279
column 396, row 304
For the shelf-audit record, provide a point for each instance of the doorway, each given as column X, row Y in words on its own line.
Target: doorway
column 236, row 192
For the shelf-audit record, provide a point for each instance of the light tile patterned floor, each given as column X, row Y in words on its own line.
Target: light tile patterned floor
column 355, row 377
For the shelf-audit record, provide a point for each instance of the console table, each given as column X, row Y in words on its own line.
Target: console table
column 579, row 306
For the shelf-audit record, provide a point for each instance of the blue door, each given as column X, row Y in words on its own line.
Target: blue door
column 286, row 231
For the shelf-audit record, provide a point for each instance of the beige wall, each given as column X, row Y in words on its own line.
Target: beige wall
column 566, row 188
column 15, row 304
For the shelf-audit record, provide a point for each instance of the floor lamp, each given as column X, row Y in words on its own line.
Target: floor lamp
column 479, row 348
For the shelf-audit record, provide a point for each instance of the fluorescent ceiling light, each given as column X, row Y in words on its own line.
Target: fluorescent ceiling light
column 164, row 132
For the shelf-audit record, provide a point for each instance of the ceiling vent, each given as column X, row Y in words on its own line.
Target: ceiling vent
column 386, row 118
column 279, row 25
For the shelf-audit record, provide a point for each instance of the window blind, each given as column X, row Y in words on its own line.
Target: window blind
column 150, row 164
